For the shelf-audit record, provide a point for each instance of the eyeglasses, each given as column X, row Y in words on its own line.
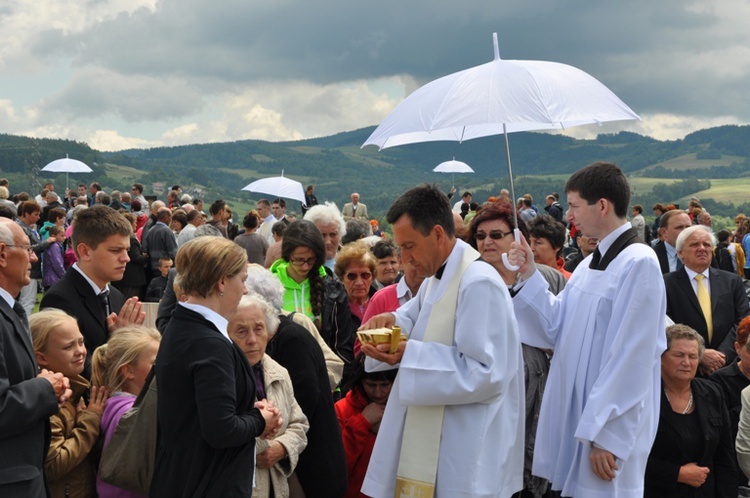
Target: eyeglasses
column 303, row 261
column 353, row 276
column 29, row 248
column 494, row 235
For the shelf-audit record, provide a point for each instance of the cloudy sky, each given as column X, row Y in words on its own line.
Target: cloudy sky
column 143, row 73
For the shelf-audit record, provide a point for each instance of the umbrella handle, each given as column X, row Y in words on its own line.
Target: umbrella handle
column 517, row 235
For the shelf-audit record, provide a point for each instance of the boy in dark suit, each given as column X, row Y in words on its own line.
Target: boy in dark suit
column 101, row 239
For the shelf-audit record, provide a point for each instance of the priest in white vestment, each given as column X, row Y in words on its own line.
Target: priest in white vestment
column 600, row 408
column 477, row 377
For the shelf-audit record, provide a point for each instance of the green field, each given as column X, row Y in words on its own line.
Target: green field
column 688, row 162
column 736, row 191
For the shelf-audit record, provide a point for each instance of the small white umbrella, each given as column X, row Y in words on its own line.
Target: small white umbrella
column 453, row 167
column 278, row 186
column 501, row 96
column 67, row 165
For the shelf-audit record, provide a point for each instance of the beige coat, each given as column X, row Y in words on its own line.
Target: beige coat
column 68, row 467
column 292, row 434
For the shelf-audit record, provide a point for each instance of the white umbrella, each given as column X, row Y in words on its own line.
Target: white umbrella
column 501, row 96
column 67, row 165
column 278, row 186
column 453, row 167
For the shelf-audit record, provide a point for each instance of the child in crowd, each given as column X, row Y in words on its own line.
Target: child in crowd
column 53, row 267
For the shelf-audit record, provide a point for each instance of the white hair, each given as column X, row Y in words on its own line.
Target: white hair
column 261, row 281
column 690, row 231
column 254, row 300
column 326, row 214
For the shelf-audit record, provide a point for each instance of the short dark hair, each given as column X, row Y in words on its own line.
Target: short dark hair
column 55, row 214
column 278, row 228
column 180, row 217
column 355, row 230
column 546, row 227
column 426, row 206
column 138, row 187
column 638, row 208
column 217, row 206
column 192, row 215
column 96, row 224
column 602, row 180
column 263, row 202
column 96, row 185
column 280, row 202
column 384, row 249
column 29, row 207
column 723, row 235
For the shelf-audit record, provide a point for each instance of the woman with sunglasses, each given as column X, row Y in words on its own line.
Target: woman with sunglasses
column 311, row 289
column 491, row 233
column 356, row 267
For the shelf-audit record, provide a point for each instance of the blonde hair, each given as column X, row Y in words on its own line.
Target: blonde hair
column 203, row 261
column 43, row 323
column 123, row 348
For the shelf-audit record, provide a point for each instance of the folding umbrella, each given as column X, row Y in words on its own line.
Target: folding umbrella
column 501, row 96
column 278, row 186
column 67, row 165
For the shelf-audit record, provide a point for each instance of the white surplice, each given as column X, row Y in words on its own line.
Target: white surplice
column 479, row 379
column 608, row 332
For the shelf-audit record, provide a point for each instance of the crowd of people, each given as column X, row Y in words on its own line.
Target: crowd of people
column 593, row 354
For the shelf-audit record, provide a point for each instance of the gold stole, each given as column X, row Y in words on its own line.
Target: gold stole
column 420, row 444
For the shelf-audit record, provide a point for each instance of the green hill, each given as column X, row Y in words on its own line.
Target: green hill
column 664, row 171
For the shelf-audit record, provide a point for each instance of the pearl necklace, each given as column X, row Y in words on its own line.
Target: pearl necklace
column 689, row 403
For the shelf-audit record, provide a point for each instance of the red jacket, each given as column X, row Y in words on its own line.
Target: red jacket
column 358, row 440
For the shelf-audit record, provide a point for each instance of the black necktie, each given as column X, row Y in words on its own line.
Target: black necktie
column 104, row 301
column 22, row 316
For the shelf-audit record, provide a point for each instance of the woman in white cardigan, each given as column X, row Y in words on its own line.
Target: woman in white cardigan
column 251, row 328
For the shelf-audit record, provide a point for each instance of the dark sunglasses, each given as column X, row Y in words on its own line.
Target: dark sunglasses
column 494, row 235
column 353, row 276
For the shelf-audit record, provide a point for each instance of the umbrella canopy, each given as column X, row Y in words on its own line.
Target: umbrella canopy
column 453, row 167
column 67, row 165
column 278, row 186
column 501, row 96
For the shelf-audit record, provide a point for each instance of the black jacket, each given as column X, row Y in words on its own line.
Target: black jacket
column 26, row 404
column 337, row 327
column 717, row 453
column 322, row 466
column 207, row 419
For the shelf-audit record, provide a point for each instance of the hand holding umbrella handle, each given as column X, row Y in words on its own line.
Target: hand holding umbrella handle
column 517, row 235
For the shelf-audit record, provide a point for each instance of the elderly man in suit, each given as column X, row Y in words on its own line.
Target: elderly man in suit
column 709, row 300
column 27, row 398
column 354, row 209
column 101, row 239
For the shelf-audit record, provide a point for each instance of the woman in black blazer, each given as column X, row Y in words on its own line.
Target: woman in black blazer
column 693, row 453
column 207, row 411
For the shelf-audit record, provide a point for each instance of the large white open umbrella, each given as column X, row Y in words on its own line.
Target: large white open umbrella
column 278, row 186
column 453, row 167
column 67, row 165
column 500, row 97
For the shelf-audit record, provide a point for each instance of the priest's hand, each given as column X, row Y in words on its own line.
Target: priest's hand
column 383, row 320
column 520, row 255
column 381, row 353
column 712, row 361
column 603, row 463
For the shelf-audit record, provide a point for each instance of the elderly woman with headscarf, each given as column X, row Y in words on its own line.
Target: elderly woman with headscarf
column 251, row 327
column 692, row 453
column 322, row 466
column 208, row 413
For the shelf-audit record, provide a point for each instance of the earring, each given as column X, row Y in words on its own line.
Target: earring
column 221, row 295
